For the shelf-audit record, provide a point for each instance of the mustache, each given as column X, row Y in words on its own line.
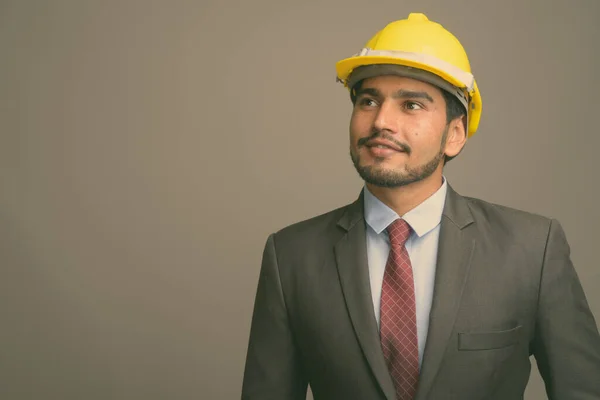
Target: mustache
column 377, row 134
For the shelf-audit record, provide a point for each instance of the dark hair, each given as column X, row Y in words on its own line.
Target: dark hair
column 454, row 108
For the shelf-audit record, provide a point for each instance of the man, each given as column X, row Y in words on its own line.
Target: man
column 413, row 291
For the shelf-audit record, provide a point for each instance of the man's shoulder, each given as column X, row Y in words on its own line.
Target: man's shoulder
column 499, row 215
column 313, row 228
column 487, row 206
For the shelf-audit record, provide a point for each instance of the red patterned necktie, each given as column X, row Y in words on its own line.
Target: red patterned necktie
column 398, row 320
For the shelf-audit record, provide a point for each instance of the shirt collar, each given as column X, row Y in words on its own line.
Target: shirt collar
column 422, row 219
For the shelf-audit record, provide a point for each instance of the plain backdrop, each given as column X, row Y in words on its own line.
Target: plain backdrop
column 148, row 148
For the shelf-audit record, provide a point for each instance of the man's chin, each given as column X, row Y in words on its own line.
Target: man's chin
column 381, row 169
column 380, row 177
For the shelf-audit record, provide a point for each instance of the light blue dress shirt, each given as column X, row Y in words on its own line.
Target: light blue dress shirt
column 422, row 247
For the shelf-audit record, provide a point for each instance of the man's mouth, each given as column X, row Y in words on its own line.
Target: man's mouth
column 384, row 144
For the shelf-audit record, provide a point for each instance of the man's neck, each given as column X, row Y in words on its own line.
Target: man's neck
column 404, row 198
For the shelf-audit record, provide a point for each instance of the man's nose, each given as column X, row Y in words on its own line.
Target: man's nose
column 386, row 118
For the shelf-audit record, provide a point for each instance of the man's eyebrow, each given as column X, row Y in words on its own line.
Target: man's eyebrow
column 369, row 91
column 400, row 94
column 410, row 94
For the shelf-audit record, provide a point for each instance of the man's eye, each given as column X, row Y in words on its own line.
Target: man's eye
column 368, row 102
column 411, row 105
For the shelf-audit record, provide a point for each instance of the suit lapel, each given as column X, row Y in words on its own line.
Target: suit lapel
column 456, row 246
column 352, row 265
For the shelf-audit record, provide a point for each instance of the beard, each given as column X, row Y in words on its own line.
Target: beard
column 392, row 178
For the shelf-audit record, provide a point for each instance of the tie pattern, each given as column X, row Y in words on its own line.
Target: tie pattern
column 398, row 321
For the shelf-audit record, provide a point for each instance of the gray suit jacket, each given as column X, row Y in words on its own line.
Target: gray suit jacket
column 505, row 289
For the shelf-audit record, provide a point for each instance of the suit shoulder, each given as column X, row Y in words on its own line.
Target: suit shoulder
column 508, row 217
column 310, row 227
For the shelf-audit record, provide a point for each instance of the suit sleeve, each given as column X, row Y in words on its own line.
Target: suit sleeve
column 272, row 369
column 566, row 343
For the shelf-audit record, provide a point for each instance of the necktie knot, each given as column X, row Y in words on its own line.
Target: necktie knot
column 399, row 231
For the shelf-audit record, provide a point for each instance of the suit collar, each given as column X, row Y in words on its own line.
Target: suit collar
column 353, row 213
column 422, row 219
column 456, row 209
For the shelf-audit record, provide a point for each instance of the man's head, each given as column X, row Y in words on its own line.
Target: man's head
column 403, row 130
column 412, row 90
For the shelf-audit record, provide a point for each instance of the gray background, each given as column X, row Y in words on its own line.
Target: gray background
column 148, row 148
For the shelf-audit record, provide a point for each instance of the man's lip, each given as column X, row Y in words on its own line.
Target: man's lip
column 379, row 142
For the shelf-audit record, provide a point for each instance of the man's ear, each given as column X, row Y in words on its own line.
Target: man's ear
column 457, row 137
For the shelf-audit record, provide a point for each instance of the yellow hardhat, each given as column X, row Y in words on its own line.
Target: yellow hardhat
column 419, row 48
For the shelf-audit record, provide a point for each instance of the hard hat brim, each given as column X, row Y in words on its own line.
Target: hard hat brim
column 346, row 66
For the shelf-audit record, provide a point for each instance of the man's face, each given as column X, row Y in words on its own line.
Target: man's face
column 398, row 131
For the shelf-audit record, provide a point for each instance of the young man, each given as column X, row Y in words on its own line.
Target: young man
column 414, row 291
